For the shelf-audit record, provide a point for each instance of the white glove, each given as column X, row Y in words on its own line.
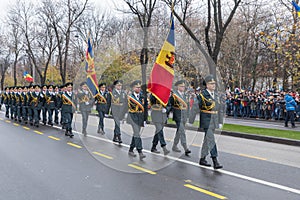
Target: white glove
column 105, row 115
column 41, row 95
column 145, row 123
column 220, row 126
column 163, row 110
column 87, row 103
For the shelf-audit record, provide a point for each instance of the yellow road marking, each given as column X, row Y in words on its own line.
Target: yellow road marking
column 1, row 119
column 249, row 156
column 74, row 145
column 204, row 191
column 7, row 121
column 38, row 132
column 53, row 138
column 142, row 169
column 103, row 155
column 26, row 128
column 196, row 145
column 16, row 124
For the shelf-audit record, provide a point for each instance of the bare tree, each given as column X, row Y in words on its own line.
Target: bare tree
column 143, row 10
column 63, row 16
column 15, row 43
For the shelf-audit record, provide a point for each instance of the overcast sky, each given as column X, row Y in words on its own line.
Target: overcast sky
column 103, row 4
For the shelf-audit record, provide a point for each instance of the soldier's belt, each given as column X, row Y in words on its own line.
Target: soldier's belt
column 180, row 108
column 158, row 109
column 209, row 112
column 136, row 111
column 100, row 102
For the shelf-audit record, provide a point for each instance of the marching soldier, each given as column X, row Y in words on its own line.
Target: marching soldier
column 24, row 102
column 68, row 108
column 29, row 104
column 211, row 117
column 50, row 103
column 159, row 118
column 18, row 108
column 180, row 107
column 118, row 108
column 102, row 106
column 6, row 100
column 43, row 100
column 136, row 118
column 85, row 100
column 13, row 90
column 57, row 104
column 36, row 104
column 63, row 89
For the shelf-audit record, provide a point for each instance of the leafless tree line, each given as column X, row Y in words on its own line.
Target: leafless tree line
column 252, row 44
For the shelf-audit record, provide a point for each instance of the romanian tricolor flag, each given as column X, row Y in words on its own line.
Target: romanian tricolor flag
column 90, row 69
column 27, row 77
column 162, row 74
column 297, row 8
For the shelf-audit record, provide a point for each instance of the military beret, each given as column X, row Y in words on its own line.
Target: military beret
column 37, row 87
column 180, row 83
column 44, row 86
column 136, row 83
column 25, row 87
column 50, row 86
column 6, row 88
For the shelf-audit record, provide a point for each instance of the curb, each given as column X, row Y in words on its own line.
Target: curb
column 250, row 136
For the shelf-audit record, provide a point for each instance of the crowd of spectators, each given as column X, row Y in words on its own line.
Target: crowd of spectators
column 268, row 104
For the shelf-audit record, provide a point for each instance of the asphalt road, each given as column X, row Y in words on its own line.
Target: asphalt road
column 44, row 164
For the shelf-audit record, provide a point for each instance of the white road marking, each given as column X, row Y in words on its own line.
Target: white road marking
column 240, row 176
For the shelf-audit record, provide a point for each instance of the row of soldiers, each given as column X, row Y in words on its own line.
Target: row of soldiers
column 207, row 105
column 31, row 103
column 27, row 103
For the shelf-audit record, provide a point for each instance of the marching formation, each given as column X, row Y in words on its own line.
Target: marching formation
column 51, row 104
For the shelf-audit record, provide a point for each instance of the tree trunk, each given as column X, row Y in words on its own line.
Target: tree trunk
column 144, row 63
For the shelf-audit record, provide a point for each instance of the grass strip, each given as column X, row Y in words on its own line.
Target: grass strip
column 262, row 131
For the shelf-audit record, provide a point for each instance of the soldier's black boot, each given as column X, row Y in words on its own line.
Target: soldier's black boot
column 217, row 165
column 154, row 150
column 119, row 138
column 67, row 133
column 84, row 132
column 204, row 162
column 115, row 139
column 71, row 134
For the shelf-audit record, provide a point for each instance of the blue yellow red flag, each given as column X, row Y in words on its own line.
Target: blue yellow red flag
column 27, row 77
column 162, row 74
